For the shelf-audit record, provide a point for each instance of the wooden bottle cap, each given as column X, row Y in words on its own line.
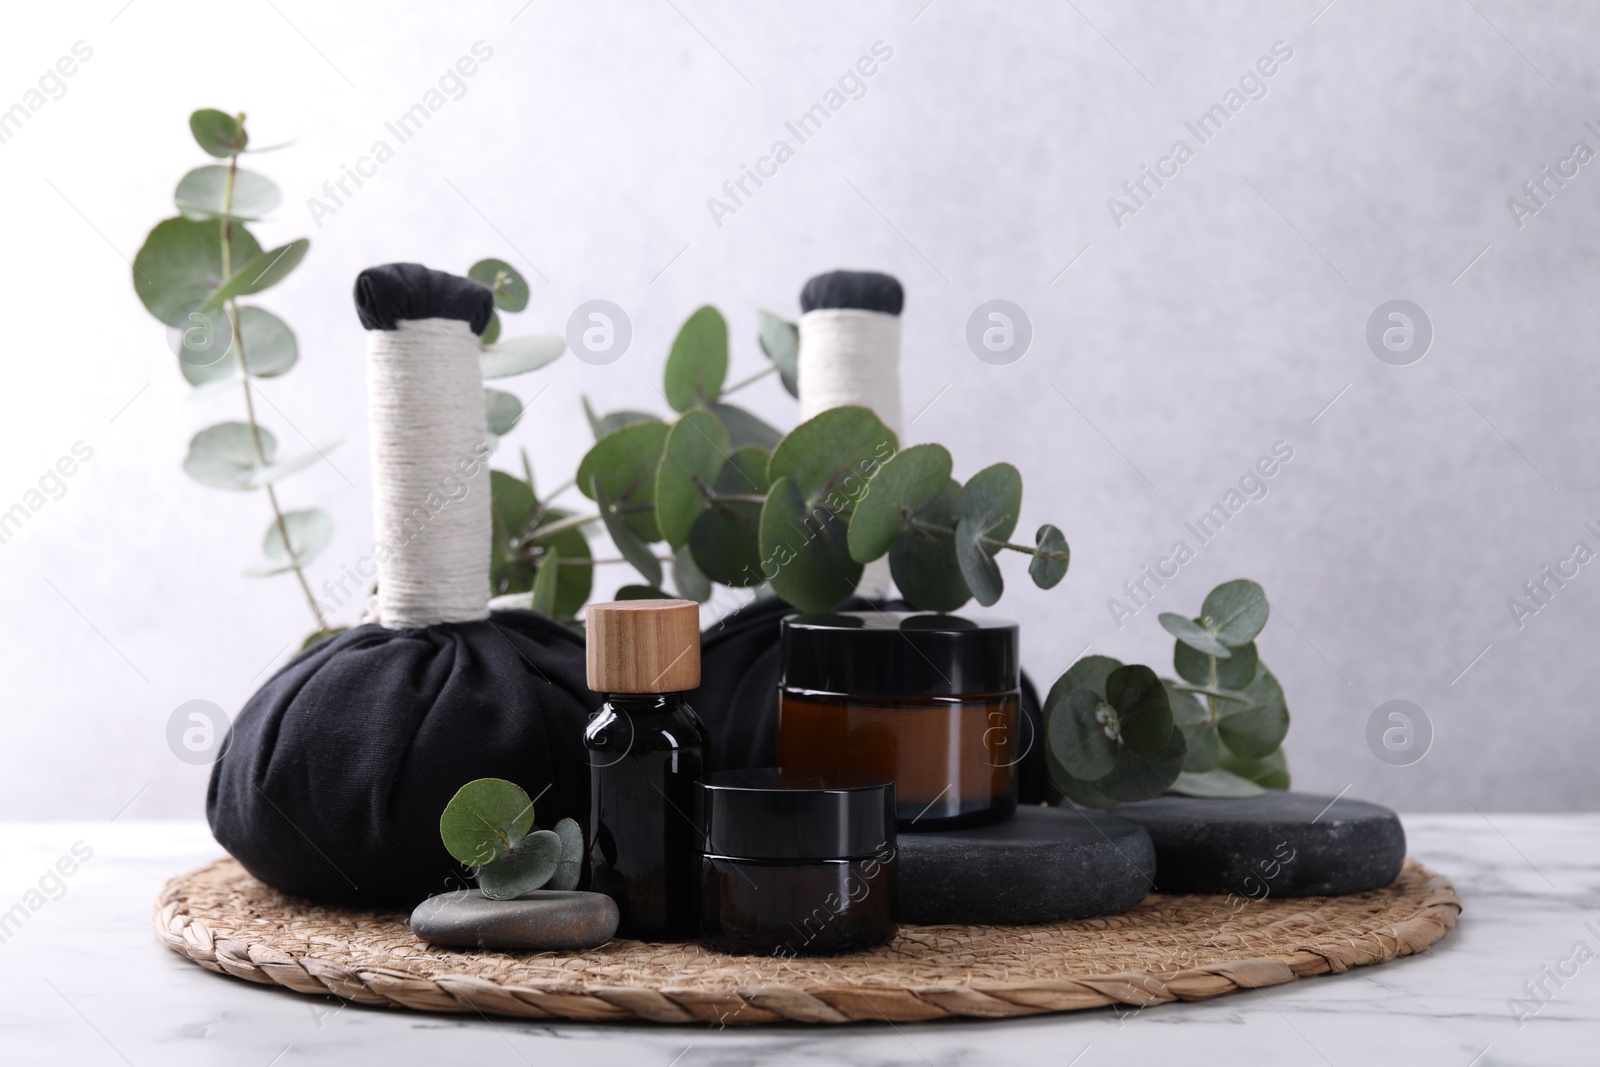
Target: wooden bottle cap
column 643, row 646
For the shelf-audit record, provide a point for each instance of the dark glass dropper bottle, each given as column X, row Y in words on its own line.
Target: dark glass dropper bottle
column 647, row 748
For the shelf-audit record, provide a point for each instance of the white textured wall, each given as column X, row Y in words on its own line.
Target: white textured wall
column 1220, row 318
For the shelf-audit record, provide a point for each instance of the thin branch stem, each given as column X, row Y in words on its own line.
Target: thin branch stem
column 756, row 377
column 249, row 400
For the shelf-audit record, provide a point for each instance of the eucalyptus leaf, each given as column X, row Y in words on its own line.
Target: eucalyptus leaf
column 687, row 577
column 634, row 549
column 179, row 265
column 491, row 330
column 1204, row 747
column 511, row 504
column 1235, row 672
column 224, row 456
column 698, row 361
column 1049, row 564
column 1140, row 777
column 745, row 428
column 1270, row 771
column 806, row 549
column 259, row 272
column 1144, row 714
column 1193, row 634
column 986, row 512
column 922, row 560
column 1078, row 725
column 217, row 132
column 544, row 585
column 500, row 411
column 600, row 425
column 1235, row 612
column 909, row 481
column 624, row 462
column 831, row 455
column 1089, row 673
column 570, row 870
column 510, row 289
column 528, row 866
column 519, row 355
column 780, row 341
column 725, row 541
column 1215, row 783
column 202, row 192
column 1255, row 729
column 310, row 531
column 484, row 819
column 574, row 581
column 695, row 451
column 269, row 346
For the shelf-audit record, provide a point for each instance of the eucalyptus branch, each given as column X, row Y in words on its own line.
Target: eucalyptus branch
column 741, row 383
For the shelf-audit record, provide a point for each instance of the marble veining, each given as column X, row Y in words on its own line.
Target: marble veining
column 83, row 981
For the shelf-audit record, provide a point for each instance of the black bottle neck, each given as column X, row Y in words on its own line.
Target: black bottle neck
column 646, row 703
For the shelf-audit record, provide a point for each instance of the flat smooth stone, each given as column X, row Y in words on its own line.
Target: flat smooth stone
column 1042, row 865
column 1281, row 844
column 544, row 920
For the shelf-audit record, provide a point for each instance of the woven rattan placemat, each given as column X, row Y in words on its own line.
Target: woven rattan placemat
column 1167, row 948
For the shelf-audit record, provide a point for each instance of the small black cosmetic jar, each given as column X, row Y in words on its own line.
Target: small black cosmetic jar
column 796, row 862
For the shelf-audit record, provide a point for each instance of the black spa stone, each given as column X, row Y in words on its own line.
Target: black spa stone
column 863, row 290
column 1281, row 844
column 1042, row 865
column 544, row 920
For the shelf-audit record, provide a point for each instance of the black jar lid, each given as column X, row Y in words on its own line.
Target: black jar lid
column 899, row 654
column 771, row 813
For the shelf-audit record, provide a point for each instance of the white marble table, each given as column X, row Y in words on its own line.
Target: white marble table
column 83, row 981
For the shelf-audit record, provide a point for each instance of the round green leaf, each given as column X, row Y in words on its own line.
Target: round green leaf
column 725, row 540
column 519, row 355
column 1235, row 612
column 259, row 272
column 831, row 455
column 201, row 194
column 806, row 549
column 1081, row 729
column 1215, row 783
column 1270, row 771
column 1089, row 673
column 745, row 428
column 600, row 425
column 780, row 341
column 510, row 289
column 1254, row 729
column 179, row 265
column 1141, row 704
column 484, row 819
column 1193, row 634
column 624, row 462
column 923, row 561
column 310, row 531
column 1049, row 564
column 491, row 331
column 698, row 362
column 908, row 482
column 687, row 577
column 217, row 132
column 205, row 352
column 978, row 568
column 1235, row 672
column 526, row 867
column 543, row 599
column 501, row 411
column 1199, row 732
column 694, row 454
column 511, row 502
column 574, row 581
column 224, row 456
column 1140, row 777
column 634, row 549
column 570, row 869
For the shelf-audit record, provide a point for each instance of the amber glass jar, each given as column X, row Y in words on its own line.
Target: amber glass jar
column 930, row 701
column 796, row 862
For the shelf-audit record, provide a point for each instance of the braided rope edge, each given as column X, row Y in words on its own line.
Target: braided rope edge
column 192, row 939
